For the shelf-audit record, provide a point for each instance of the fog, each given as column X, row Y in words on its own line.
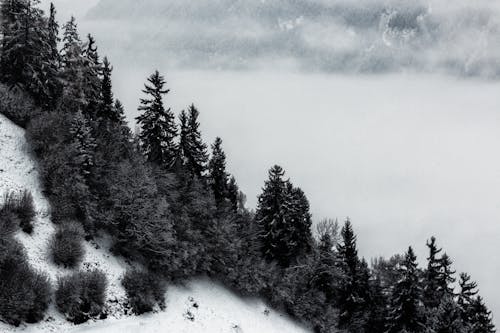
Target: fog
column 404, row 153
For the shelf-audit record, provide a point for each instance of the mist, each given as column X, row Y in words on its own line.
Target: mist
column 379, row 110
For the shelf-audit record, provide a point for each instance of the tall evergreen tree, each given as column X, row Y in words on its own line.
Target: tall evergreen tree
column 432, row 293
column 158, row 129
column 192, row 150
column 73, row 69
column 84, row 143
column 26, row 55
column 406, row 300
column 283, row 217
column 92, row 77
column 233, row 194
column 217, row 172
column 354, row 291
column 106, row 109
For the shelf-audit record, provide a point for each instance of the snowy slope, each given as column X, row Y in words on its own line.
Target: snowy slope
column 200, row 306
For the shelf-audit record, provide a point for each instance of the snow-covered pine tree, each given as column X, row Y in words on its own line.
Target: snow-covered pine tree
column 269, row 215
column 93, row 71
column 158, row 128
column 53, row 59
column 83, row 143
column 405, row 313
column 298, row 219
column 73, row 69
column 284, row 220
column 192, row 150
column 218, row 176
column 26, row 55
column 354, row 289
column 106, row 109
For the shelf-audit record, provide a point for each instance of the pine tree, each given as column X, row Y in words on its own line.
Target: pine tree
column 481, row 321
column 92, row 77
column 192, row 150
column 158, row 129
column 465, row 298
column 432, row 293
column 73, row 69
column 26, row 55
column 217, row 172
column 234, row 195
column 53, row 59
column 84, row 144
column 354, row 290
column 283, row 218
column 106, row 108
column 406, row 300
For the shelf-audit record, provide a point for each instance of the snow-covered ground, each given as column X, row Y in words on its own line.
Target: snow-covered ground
column 199, row 306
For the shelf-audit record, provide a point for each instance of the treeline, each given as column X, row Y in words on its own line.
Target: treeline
column 171, row 205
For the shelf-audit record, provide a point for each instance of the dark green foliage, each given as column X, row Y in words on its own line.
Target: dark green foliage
column 24, row 293
column 144, row 290
column 66, row 246
column 81, row 296
column 158, row 129
column 284, row 219
column 192, row 151
column 19, row 207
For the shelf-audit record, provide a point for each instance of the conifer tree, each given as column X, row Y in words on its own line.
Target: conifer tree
column 480, row 320
column 192, row 150
column 432, row 293
column 26, row 56
column 73, row 69
column 158, row 129
column 53, row 59
column 465, row 298
column 92, row 77
column 217, row 172
column 406, row 300
column 354, row 289
column 84, row 143
column 106, row 108
column 233, row 194
column 283, row 218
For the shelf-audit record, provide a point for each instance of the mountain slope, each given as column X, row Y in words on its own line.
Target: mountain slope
column 200, row 306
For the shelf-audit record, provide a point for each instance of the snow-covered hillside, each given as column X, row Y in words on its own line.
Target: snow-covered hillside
column 200, row 306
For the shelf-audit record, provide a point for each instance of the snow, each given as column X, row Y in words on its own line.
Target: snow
column 199, row 306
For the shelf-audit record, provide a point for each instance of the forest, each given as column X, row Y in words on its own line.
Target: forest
column 168, row 202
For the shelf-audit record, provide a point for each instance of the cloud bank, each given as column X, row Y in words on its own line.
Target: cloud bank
column 364, row 36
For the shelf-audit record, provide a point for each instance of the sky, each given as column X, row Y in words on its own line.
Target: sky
column 402, row 138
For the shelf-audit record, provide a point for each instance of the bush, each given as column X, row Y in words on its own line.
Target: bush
column 66, row 246
column 16, row 105
column 144, row 290
column 81, row 296
column 24, row 293
column 9, row 224
column 20, row 204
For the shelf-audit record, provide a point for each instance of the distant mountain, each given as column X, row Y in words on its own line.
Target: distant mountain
column 326, row 35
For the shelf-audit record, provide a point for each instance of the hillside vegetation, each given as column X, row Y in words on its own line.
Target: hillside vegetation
column 172, row 211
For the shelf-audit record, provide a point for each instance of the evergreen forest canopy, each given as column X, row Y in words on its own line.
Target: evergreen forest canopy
column 171, row 206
